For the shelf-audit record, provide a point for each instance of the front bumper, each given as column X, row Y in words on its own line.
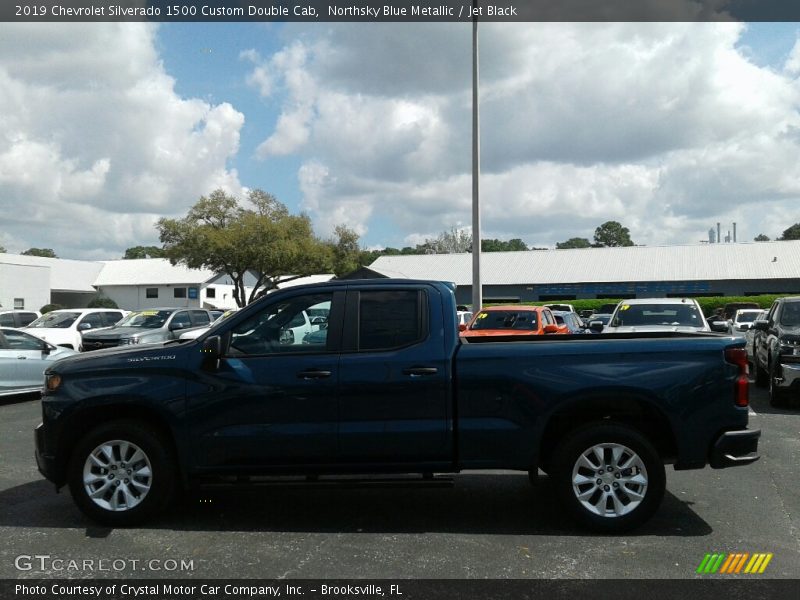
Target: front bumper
column 789, row 376
column 735, row 448
column 44, row 461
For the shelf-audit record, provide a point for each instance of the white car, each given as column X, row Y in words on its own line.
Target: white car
column 660, row 314
column 196, row 333
column 23, row 360
column 743, row 320
column 63, row 327
column 561, row 307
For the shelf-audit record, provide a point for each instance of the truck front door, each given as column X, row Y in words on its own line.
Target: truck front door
column 272, row 402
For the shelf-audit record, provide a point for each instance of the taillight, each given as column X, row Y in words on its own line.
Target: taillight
column 738, row 357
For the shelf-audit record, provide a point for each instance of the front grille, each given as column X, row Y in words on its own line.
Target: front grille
column 99, row 344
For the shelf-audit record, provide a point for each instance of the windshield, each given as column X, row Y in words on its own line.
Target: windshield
column 147, row 319
column 60, row 320
column 505, row 319
column 790, row 315
column 637, row 315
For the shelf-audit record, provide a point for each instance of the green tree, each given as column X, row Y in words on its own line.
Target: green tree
column 792, row 233
column 495, row 245
column 48, row 307
column 612, row 233
column 761, row 238
column 144, row 252
column 573, row 243
column 101, row 302
column 449, row 242
column 263, row 239
column 45, row 252
column 346, row 251
column 2, row 250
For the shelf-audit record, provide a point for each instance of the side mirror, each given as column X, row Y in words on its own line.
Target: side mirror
column 47, row 349
column 176, row 326
column 719, row 326
column 462, row 327
column 84, row 326
column 551, row 328
column 743, row 326
column 596, row 326
column 761, row 325
column 212, row 353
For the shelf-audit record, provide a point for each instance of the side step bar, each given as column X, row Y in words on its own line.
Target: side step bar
column 330, row 481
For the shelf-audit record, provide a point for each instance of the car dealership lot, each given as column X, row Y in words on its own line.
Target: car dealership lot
column 487, row 525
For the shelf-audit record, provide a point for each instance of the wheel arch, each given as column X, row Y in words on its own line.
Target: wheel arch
column 623, row 407
column 87, row 418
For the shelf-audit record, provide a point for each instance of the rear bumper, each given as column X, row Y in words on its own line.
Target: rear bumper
column 735, row 448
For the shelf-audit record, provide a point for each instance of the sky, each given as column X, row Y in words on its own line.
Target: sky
column 668, row 128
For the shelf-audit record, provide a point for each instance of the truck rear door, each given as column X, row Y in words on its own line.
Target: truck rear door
column 394, row 378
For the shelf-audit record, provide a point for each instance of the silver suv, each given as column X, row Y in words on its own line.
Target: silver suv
column 148, row 327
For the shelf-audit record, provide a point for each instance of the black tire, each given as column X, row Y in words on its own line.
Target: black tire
column 762, row 377
column 613, row 505
column 145, row 485
column 776, row 395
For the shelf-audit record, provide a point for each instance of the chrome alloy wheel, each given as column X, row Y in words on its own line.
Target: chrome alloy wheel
column 117, row 475
column 609, row 480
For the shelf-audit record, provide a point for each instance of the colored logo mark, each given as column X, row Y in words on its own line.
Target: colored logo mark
column 734, row 564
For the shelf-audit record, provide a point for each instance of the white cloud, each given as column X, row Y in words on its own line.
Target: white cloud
column 95, row 144
column 666, row 127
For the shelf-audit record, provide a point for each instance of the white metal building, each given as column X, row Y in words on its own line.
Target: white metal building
column 739, row 269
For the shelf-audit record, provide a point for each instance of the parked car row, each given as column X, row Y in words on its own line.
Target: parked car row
column 776, row 350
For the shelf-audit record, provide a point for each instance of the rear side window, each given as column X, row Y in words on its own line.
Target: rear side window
column 200, row 317
column 391, row 319
column 112, row 317
column 7, row 320
column 27, row 318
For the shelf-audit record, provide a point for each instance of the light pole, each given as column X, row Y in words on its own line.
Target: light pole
column 477, row 292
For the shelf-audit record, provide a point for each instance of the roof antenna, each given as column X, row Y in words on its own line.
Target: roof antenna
column 774, row 259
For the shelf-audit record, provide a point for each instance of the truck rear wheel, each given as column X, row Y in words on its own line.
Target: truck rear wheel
column 609, row 477
column 122, row 473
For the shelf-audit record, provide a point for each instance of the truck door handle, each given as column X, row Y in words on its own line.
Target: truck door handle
column 22, row 358
column 313, row 374
column 417, row 371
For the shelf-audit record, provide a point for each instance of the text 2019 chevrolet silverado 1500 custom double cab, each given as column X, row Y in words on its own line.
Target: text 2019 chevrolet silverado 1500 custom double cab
column 390, row 388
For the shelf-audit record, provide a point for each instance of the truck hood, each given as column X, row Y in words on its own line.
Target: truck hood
column 116, row 333
column 122, row 356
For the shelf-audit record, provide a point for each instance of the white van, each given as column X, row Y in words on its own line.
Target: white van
column 63, row 327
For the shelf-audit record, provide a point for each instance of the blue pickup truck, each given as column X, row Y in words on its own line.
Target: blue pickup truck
column 386, row 386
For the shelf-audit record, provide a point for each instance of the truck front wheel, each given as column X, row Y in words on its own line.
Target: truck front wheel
column 609, row 477
column 122, row 473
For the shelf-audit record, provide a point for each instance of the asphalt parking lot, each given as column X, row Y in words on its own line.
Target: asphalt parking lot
column 487, row 525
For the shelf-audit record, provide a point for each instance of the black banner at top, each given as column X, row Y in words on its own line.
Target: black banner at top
column 398, row 10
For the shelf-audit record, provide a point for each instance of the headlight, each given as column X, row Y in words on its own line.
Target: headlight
column 52, row 382
column 126, row 341
column 791, row 347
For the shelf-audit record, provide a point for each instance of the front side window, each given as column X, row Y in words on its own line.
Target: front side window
column 95, row 320
column 283, row 327
column 17, row 340
column 7, row 320
column 181, row 320
column 390, row 319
